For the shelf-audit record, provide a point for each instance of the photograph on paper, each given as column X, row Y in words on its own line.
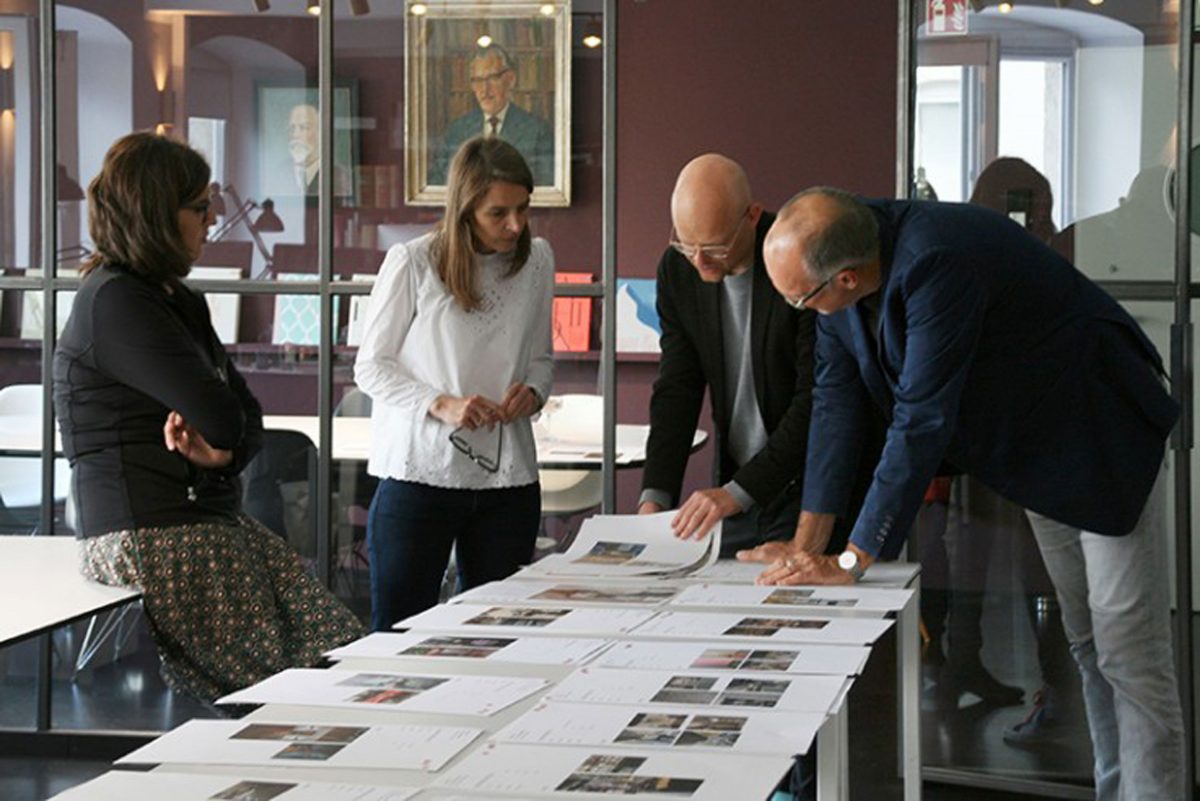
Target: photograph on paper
column 233, row 742
column 831, row 660
column 565, row 771
column 791, row 694
column 458, row 695
column 422, row 645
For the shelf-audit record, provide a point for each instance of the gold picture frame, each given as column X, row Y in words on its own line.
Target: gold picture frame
column 457, row 80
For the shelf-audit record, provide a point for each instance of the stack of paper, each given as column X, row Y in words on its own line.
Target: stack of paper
column 819, row 694
column 629, row 546
column 828, row 660
column 236, row 742
column 125, row 785
column 451, row 695
column 740, row 731
column 602, row 621
column 439, row 647
column 527, row 770
column 575, row 593
column 782, row 599
column 777, row 628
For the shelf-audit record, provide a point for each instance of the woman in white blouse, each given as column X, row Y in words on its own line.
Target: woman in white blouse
column 456, row 357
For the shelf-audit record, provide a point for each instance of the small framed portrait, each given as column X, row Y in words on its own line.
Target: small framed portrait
column 289, row 141
column 488, row 68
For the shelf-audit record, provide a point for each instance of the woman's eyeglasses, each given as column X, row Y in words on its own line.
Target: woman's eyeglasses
column 488, row 463
column 201, row 207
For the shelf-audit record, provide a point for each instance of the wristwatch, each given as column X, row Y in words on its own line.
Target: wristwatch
column 848, row 561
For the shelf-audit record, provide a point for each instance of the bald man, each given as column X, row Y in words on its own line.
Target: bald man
column 989, row 352
column 726, row 330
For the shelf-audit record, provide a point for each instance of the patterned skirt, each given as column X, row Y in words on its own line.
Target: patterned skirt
column 228, row 604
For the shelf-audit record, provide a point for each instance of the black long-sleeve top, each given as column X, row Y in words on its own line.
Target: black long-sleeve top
column 131, row 352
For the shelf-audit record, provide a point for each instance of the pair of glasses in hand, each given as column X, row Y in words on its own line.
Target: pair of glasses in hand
column 488, row 463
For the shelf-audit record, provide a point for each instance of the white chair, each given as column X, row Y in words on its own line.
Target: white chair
column 20, row 478
column 565, row 493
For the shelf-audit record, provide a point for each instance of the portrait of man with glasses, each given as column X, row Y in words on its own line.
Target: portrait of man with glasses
column 493, row 77
column 727, row 331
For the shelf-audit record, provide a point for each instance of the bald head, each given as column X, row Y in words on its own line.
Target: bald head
column 819, row 235
column 709, row 205
column 710, row 189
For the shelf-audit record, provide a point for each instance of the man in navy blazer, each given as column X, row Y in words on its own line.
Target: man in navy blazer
column 991, row 354
column 493, row 78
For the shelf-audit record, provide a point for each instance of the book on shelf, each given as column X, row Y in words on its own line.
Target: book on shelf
column 571, row 318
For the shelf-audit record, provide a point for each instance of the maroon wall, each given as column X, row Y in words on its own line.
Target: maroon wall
column 800, row 93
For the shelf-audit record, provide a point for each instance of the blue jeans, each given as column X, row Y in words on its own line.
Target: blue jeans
column 1116, row 612
column 411, row 528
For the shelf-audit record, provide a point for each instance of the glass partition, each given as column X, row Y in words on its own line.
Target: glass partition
column 1061, row 117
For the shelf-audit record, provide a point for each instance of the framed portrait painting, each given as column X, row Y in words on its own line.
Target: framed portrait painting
column 488, row 68
column 289, row 144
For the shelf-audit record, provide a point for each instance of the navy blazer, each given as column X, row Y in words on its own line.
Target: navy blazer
column 996, row 355
column 529, row 134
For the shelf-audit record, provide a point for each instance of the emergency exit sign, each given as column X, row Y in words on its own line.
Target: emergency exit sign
column 946, row 17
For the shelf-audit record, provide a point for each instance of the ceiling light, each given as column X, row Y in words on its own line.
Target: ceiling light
column 1005, row 7
column 547, row 9
column 1096, row 2
column 418, row 9
column 484, row 40
column 314, row 7
column 592, row 34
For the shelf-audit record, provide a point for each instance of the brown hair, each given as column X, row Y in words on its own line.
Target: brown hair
column 134, row 202
column 478, row 164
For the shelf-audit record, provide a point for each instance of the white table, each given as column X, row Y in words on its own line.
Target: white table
column 352, row 442
column 41, row 587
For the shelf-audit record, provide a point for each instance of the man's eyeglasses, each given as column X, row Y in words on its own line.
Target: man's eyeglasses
column 488, row 463
column 800, row 302
column 201, row 207
column 715, row 253
column 493, row 77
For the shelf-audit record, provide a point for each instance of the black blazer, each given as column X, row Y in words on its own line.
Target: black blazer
column 693, row 359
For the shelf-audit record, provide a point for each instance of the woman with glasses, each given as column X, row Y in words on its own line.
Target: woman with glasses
column 456, row 356
column 157, row 424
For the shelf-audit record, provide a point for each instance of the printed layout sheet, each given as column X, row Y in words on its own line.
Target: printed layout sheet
column 127, row 785
column 576, row 593
column 436, row 647
column 711, row 625
column 567, row 772
column 882, row 575
column 783, row 599
column 819, row 694
column 238, row 742
column 827, row 660
column 616, row 546
column 450, row 695
column 740, row 731
column 464, row 618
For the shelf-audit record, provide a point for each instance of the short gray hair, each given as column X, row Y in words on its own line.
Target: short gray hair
column 849, row 239
column 496, row 50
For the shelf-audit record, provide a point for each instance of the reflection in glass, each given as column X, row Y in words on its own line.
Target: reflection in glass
column 1062, row 119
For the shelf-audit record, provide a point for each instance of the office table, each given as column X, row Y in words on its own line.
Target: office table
column 352, row 442
column 42, row 587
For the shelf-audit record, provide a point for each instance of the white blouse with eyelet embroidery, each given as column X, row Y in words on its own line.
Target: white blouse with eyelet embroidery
column 418, row 343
